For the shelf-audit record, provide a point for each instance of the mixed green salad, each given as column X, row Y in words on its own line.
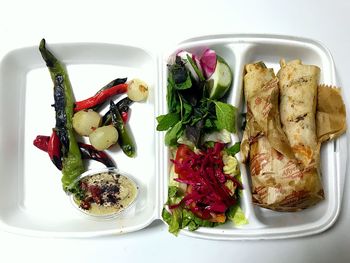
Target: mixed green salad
column 204, row 182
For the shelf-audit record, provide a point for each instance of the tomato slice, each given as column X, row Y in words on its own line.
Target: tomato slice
column 218, row 218
column 212, row 217
column 183, row 153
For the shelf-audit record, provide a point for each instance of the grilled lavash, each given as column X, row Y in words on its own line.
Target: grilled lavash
column 281, row 140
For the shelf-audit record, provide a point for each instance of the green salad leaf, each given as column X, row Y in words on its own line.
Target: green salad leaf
column 180, row 218
column 173, row 219
column 173, row 134
column 226, row 116
column 236, row 215
column 171, row 97
column 193, row 222
column 234, row 149
column 167, row 121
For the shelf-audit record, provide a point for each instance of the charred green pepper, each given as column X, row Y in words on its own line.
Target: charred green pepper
column 72, row 164
column 124, row 138
column 123, row 108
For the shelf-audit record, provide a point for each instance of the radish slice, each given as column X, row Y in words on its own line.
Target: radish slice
column 208, row 62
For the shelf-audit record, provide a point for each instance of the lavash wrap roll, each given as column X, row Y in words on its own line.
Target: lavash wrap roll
column 298, row 101
column 280, row 181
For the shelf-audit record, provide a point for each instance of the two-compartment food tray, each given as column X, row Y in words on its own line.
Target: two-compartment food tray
column 32, row 201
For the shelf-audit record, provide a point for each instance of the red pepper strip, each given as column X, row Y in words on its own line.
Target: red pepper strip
column 86, row 150
column 100, row 97
column 45, row 142
column 54, row 150
column 125, row 116
column 42, row 142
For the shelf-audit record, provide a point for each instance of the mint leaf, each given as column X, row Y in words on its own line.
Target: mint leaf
column 226, row 116
column 234, row 149
column 166, row 121
column 172, row 134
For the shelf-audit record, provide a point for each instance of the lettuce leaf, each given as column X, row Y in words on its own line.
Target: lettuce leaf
column 173, row 219
column 236, row 215
column 234, row 149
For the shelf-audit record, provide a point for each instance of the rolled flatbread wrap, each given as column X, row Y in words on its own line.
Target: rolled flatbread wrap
column 279, row 181
column 298, row 100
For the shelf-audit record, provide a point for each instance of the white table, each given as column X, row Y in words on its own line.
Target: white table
column 155, row 26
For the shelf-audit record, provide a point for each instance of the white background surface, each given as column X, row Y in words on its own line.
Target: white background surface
column 156, row 26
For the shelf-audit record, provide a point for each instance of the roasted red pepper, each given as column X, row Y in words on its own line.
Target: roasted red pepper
column 54, row 150
column 100, row 97
column 125, row 116
column 52, row 146
column 42, row 142
column 86, row 150
column 108, row 86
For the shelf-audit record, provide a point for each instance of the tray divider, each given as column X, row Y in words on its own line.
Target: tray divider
column 159, row 140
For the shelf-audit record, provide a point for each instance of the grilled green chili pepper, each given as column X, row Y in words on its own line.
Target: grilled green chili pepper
column 124, row 138
column 72, row 164
column 123, row 108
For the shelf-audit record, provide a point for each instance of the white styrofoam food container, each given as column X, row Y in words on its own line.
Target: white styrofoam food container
column 32, row 201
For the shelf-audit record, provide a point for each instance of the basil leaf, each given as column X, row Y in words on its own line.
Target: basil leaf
column 179, row 75
column 187, row 112
column 171, row 97
column 166, row 121
column 193, row 133
column 173, row 134
column 234, row 149
column 226, row 116
column 184, row 85
column 209, row 124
